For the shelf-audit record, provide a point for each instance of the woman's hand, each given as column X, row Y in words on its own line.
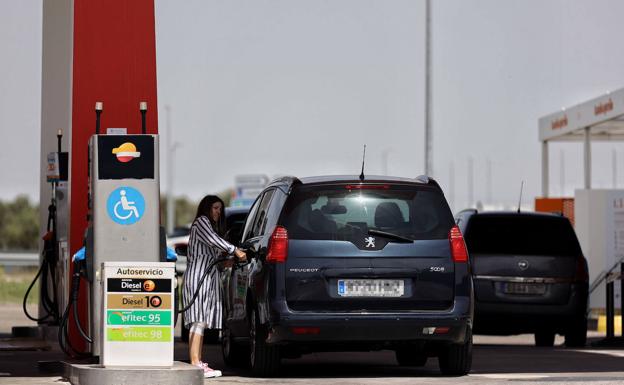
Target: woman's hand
column 240, row 255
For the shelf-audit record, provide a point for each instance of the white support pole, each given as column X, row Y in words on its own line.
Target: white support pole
column 587, row 158
column 561, row 173
column 452, row 185
column 545, row 169
column 169, row 181
column 428, row 101
column 471, row 200
column 614, row 167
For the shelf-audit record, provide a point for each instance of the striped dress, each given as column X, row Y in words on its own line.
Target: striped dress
column 204, row 246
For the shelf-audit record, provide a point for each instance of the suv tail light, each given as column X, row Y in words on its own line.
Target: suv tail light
column 278, row 246
column 581, row 274
column 458, row 246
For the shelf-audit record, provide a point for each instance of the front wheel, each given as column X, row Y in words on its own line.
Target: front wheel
column 264, row 359
column 456, row 360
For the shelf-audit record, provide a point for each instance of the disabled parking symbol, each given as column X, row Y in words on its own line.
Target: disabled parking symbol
column 125, row 205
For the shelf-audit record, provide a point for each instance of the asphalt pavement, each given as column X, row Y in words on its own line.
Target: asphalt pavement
column 497, row 360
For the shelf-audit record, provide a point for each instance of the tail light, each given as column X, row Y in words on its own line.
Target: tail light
column 278, row 246
column 581, row 274
column 458, row 246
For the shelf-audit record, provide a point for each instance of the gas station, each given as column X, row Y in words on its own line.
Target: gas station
column 112, row 295
column 109, row 287
column 598, row 214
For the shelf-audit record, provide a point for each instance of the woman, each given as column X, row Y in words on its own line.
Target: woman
column 205, row 244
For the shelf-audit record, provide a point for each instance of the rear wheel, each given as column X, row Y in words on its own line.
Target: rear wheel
column 406, row 356
column 264, row 358
column 576, row 334
column 544, row 338
column 456, row 360
column 234, row 355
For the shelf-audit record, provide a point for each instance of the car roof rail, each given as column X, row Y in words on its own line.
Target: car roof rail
column 286, row 180
column 472, row 210
column 423, row 179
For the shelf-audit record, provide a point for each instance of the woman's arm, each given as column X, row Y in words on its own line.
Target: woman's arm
column 208, row 236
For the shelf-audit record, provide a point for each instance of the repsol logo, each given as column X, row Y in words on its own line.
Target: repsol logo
column 559, row 123
column 603, row 108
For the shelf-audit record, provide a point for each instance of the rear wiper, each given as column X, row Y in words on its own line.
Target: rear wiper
column 390, row 235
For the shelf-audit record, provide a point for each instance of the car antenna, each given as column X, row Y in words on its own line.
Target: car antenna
column 363, row 158
column 520, row 201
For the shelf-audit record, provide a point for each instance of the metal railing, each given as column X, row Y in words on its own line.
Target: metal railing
column 607, row 275
column 19, row 259
column 610, row 276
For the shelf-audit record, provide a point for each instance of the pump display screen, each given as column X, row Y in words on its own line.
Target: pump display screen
column 125, row 157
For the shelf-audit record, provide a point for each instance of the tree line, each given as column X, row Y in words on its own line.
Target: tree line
column 19, row 220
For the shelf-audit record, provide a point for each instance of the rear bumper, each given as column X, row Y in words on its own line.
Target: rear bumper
column 352, row 327
column 505, row 317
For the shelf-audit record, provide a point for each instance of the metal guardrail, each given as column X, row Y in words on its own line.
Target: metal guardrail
column 609, row 277
column 606, row 275
column 20, row 259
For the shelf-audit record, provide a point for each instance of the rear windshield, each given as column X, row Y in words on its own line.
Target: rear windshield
column 341, row 212
column 521, row 235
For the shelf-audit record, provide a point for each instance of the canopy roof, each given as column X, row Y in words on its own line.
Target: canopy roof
column 604, row 115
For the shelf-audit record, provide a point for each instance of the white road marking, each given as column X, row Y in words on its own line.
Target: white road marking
column 613, row 353
column 511, row 376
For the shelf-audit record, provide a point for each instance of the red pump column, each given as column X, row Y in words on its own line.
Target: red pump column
column 112, row 48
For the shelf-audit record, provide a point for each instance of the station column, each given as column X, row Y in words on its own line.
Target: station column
column 93, row 50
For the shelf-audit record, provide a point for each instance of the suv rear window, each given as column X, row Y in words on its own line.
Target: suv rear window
column 342, row 212
column 521, row 235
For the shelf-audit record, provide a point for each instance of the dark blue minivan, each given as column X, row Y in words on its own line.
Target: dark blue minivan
column 340, row 263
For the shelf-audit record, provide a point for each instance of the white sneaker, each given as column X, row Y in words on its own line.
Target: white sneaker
column 208, row 371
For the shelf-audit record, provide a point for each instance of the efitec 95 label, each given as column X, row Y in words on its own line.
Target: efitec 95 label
column 138, row 317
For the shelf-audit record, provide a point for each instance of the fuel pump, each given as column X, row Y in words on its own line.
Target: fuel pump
column 123, row 220
column 54, row 253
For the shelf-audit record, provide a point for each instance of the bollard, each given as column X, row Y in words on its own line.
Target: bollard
column 610, row 311
column 622, row 298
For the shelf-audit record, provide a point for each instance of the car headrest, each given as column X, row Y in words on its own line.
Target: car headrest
column 388, row 214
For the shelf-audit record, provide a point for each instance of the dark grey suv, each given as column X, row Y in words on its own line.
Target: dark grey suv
column 529, row 273
column 343, row 264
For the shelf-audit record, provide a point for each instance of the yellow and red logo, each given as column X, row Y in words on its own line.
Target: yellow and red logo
column 149, row 285
column 126, row 152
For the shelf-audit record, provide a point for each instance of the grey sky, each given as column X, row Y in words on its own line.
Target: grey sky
column 296, row 87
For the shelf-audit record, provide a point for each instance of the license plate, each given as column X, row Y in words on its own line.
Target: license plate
column 371, row 287
column 524, row 288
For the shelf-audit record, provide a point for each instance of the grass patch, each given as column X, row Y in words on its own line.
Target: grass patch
column 13, row 286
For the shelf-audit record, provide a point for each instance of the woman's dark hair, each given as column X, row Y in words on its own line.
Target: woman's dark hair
column 204, row 209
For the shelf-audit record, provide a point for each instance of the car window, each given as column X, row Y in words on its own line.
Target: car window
column 234, row 224
column 521, row 235
column 340, row 212
column 260, row 222
column 247, row 231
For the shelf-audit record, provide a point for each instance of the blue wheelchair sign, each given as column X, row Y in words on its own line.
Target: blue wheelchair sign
column 125, row 205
